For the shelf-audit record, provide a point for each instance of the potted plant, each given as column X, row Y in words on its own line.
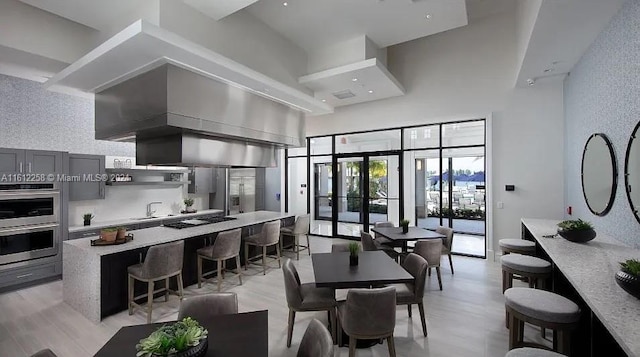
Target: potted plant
column 188, row 202
column 185, row 338
column 405, row 225
column 87, row 217
column 108, row 234
column 576, row 231
column 354, row 248
column 629, row 277
column 122, row 232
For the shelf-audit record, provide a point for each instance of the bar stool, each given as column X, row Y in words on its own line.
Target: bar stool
column 520, row 246
column 541, row 308
column 536, row 270
column 300, row 228
column 270, row 235
column 225, row 247
column 532, row 352
column 162, row 262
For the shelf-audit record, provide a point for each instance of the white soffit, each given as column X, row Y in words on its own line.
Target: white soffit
column 563, row 31
column 369, row 75
column 218, row 9
column 142, row 46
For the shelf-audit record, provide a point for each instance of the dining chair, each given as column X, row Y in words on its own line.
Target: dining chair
column 163, row 261
column 206, row 307
column 44, row 353
column 316, row 341
column 225, row 247
column 269, row 236
column 300, row 228
column 413, row 293
column 448, row 242
column 368, row 314
column 306, row 297
column 431, row 251
column 369, row 244
column 387, row 224
column 339, row 247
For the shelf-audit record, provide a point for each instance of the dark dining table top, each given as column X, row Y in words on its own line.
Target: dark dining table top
column 375, row 268
column 414, row 233
column 244, row 334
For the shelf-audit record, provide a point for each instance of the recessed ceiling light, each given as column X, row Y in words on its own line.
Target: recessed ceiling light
column 427, row 16
column 370, row 91
column 354, row 79
column 324, row 101
column 285, row 4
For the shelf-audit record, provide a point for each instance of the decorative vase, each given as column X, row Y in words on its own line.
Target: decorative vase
column 108, row 236
column 628, row 283
column 578, row 236
column 87, row 222
column 405, row 229
column 353, row 260
column 122, row 232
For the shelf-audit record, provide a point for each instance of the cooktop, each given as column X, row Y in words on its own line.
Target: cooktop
column 198, row 222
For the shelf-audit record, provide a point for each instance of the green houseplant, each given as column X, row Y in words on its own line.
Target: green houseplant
column 576, row 230
column 188, row 202
column 405, row 225
column 354, row 248
column 628, row 278
column 185, row 338
column 87, row 217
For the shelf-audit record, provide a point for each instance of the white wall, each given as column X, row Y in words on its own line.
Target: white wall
column 468, row 73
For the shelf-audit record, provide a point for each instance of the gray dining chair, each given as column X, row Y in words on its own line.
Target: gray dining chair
column 387, row 224
column 413, row 293
column 368, row 314
column 339, row 247
column 431, row 251
column 269, row 236
column 163, row 261
column 44, row 353
column 306, row 297
column 369, row 244
column 448, row 242
column 205, row 307
column 225, row 247
column 316, row 341
column 300, row 228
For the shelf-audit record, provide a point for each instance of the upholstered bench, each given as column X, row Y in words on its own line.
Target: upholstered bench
column 519, row 246
column 541, row 308
column 536, row 270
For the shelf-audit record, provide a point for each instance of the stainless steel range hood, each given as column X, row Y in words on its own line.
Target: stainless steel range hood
column 178, row 117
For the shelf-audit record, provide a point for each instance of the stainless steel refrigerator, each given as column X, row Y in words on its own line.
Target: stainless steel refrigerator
column 242, row 190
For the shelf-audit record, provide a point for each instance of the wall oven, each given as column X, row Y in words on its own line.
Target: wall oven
column 28, row 204
column 28, row 242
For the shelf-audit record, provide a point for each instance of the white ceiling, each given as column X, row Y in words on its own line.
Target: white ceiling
column 563, row 31
column 218, row 9
column 315, row 24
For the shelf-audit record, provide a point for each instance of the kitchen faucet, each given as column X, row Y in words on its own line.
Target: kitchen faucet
column 149, row 211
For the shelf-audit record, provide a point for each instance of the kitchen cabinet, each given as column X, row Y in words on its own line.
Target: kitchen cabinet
column 19, row 161
column 11, row 279
column 113, row 280
column 201, row 181
column 87, row 189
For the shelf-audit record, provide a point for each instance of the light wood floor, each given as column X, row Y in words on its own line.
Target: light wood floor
column 465, row 319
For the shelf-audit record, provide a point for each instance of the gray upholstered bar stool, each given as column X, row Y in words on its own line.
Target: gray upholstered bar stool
column 206, row 307
column 225, row 247
column 535, row 269
column 431, row 251
column 162, row 262
column 270, row 235
column 300, row 228
column 520, row 246
column 541, row 308
column 532, row 352
column 316, row 341
column 357, row 320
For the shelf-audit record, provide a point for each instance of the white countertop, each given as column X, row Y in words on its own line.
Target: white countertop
column 590, row 268
column 127, row 221
column 157, row 235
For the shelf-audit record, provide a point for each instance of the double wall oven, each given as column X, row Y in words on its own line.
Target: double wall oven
column 29, row 221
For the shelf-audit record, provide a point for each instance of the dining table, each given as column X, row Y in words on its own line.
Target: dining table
column 244, row 334
column 397, row 237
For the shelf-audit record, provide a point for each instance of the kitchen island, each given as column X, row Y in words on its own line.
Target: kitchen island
column 94, row 278
column 584, row 273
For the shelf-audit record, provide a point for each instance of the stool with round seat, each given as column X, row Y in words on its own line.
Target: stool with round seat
column 541, row 308
column 532, row 352
column 536, row 270
column 520, row 246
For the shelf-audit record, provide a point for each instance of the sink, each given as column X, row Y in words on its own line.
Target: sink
column 151, row 217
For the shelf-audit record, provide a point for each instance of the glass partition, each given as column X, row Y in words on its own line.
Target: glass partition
column 321, row 145
column 368, row 142
column 463, row 134
column 422, row 137
column 321, row 187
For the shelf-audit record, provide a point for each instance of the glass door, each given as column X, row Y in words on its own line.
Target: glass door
column 349, row 196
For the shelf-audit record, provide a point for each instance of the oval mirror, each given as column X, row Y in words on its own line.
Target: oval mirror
column 632, row 172
column 599, row 174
